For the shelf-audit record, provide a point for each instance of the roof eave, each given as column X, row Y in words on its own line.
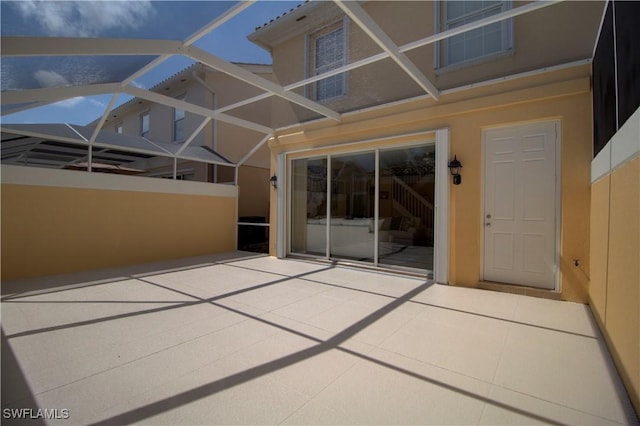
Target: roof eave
column 280, row 28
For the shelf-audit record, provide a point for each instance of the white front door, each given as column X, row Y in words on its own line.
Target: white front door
column 520, row 199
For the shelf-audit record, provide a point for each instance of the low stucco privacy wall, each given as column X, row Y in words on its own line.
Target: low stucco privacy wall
column 615, row 250
column 59, row 221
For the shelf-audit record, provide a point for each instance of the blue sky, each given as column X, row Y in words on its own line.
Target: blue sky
column 120, row 19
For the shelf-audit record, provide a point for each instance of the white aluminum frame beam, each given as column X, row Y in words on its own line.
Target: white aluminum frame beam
column 13, row 46
column 235, row 105
column 195, row 109
column 530, row 7
column 30, row 105
column 218, row 21
column 373, row 30
column 151, row 65
column 76, row 46
column 65, row 46
column 195, row 133
column 253, row 150
column 33, row 134
column 54, row 94
column 96, row 131
column 81, row 141
column 27, row 46
column 193, row 38
column 262, row 83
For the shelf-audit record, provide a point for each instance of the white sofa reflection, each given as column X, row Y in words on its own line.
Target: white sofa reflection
column 354, row 237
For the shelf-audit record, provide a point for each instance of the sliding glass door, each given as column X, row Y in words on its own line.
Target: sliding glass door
column 406, row 218
column 352, row 206
column 309, row 206
column 375, row 207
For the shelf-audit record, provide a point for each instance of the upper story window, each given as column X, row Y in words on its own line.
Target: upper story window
column 485, row 41
column 329, row 52
column 144, row 125
column 119, row 129
column 178, row 124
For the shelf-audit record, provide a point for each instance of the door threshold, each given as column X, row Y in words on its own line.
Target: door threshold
column 519, row 289
column 410, row 272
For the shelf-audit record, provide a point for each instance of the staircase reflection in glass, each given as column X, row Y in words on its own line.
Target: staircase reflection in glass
column 406, row 216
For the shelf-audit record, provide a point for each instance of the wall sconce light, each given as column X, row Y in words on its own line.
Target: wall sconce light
column 454, row 167
column 274, row 181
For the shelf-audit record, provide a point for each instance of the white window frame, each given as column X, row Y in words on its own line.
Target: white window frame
column 444, row 46
column 119, row 129
column 315, row 37
column 144, row 133
column 174, row 137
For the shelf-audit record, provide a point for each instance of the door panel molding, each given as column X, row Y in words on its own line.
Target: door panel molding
column 521, row 204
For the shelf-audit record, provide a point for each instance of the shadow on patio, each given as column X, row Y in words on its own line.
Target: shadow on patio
column 240, row 338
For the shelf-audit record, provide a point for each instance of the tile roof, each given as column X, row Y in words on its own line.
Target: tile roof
column 200, row 65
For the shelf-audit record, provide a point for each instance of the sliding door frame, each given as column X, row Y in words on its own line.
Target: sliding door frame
column 439, row 137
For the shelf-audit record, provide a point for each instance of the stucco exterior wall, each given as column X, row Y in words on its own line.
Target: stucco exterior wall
column 161, row 116
column 254, row 191
column 53, row 222
column 614, row 291
column 231, row 141
column 466, row 116
column 554, row 35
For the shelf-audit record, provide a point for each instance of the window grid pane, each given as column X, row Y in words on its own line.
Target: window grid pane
column 145, row 125
column 330, row 54
column 479, row 42
column 178, row 114
column 178, row 130
column 178, row 123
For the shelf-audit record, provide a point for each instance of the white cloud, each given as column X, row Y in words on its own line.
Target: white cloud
column 85, row 18
column 96, row 103
column 138, row 85
column 80, row 100
column 50, row 79
column 70, row 103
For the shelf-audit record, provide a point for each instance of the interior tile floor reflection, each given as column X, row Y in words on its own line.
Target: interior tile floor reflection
column 247, row 339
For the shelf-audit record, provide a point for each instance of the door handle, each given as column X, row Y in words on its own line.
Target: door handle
column 487, row 224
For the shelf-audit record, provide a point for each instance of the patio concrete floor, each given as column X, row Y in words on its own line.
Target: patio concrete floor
column 246, row 339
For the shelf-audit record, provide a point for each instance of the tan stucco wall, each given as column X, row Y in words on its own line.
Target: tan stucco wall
column 599, row 245
column 235, row 142
column 51, row 230
column 231, row 141
column 161, row 116
column 254, row 191
column 555, row 35
column 615, row 279
column 567, row 101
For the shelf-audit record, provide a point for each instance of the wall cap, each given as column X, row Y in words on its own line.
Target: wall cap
column 34, row 176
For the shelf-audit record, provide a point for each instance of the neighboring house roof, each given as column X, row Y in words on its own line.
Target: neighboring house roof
column 62, row 145
column 105, row 168
column 198, row 67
